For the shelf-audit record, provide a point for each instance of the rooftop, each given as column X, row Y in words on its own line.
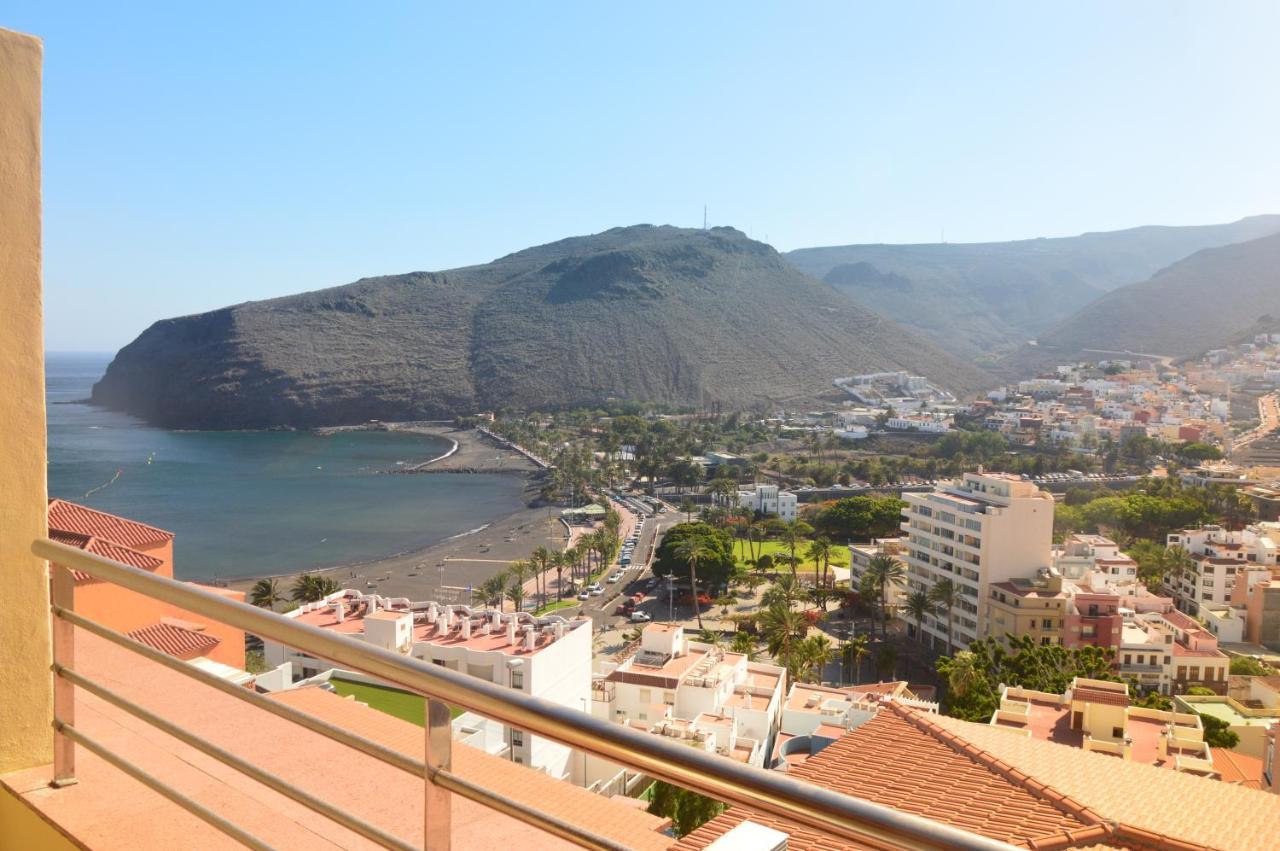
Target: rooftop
column 70, row 517
column 103, row 548
column 175, row 639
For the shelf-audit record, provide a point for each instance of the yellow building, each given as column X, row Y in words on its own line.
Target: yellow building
column 1031, row 607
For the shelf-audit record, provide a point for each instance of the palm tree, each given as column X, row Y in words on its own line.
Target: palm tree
column 559, row 561
column 920, row 606
column 1177, row 564
column 886, row 661
column 520, row 571
column 686, row 505
column 540, row 559
column 493, row 589
column 744, row 643
column 820, row 552
column 793, row 532
column 885, row 570
column 813, row 653
column 856, row 649
column 782, row 629
column 691, row 551
column 963, row 674
column 515, row 593
column 266, row 593
column 945, row 595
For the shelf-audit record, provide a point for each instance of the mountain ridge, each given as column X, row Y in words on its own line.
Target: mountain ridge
column 642, row 313
column 981, row 299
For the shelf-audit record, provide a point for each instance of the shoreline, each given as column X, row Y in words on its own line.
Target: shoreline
column 467, row 557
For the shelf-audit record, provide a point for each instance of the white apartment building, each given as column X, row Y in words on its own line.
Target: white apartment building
column 860, row 556
column 547, row 657
column 1221, row 556
column 768, row 499
column 985, row 528
column 710, row 698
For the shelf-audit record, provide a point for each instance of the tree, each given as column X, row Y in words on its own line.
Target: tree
column 886, row 661
column 541, row 559
column 813, row 653
column 309, row 588
column 559, row 561
column 944, row 594
column 1250, row 667
column 793, row 533
column 1218, row 733
column 686, row 506
column 782, row 629
column 743, row 643
column 820, row 552
column 714, row 569
column 687, row 810
column 885, row 571
column 855, row 650
column 515, row 593
column 266, row 593
column 493, row 590
column 691, row 551
column 919, row 606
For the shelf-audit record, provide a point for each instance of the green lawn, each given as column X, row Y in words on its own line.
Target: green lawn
column 558, row 604
column 839, row 557
column 402, row 704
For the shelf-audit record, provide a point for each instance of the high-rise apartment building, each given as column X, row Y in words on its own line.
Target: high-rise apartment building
column 985, row 528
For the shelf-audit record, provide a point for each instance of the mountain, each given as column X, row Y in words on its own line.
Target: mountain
column 655, row 314
column 982, row 298
column 1211, row 299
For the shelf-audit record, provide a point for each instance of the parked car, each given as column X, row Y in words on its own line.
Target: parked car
column 584, row 596
column 640, row 617
column 615, row 576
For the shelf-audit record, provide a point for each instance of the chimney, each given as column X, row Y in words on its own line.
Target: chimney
column 448, row 617
column 496, row 619
column 511, row 632
column 373, row 605
column 559, row 630
column 530, row 638
column 341, row 612
column 433, row 612
column 466, row 627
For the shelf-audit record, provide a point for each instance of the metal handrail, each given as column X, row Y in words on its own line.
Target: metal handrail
column 843, row 816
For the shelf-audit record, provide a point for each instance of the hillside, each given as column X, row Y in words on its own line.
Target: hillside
column 976, row 299
column 644, row 313
column 1210, row 299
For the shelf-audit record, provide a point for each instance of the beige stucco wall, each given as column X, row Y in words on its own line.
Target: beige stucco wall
column 26, row 701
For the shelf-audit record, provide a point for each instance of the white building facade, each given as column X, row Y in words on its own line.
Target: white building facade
column 548, row 657
column 985, row 528
column 768, row 499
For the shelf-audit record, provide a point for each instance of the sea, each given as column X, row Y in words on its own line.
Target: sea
column 259, row 503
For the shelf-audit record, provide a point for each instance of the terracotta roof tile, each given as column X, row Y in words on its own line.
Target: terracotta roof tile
column 106, row 549
column 70, row 517
column 175, row 640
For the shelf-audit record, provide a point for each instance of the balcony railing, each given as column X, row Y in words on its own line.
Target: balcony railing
column 840, row 816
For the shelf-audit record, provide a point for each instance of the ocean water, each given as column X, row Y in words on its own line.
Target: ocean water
column 258, row 503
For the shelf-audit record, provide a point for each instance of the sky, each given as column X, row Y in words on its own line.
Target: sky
column 199, row 155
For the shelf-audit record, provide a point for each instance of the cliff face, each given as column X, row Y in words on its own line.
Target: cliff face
column 643, row 313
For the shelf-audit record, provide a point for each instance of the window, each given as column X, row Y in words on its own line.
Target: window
column 517, row 678
column 1089, row 630
column 517, row 738
column 1128, row 659
column 1044, row 640
column 1046, row 623
column 646, row 696
column 669, row 698
column 1117, row 732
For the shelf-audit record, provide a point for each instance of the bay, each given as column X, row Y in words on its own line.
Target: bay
column 258, row 503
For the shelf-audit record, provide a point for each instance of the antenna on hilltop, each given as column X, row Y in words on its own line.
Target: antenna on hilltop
column 704, row 216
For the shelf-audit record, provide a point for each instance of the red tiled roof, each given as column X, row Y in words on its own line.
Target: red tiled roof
column 70, row 517
column 1100, row 695
column 902, row 760
column 175, row 640
column 1238, row 768
column 106, row 549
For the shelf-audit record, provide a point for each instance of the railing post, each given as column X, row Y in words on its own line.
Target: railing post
column 438, row 829
column 64, row 696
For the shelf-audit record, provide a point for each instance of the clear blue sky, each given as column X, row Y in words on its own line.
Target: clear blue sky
column 198, row 155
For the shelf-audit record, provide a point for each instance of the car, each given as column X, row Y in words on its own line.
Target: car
column 640, row 617
column 626, row 607
column 596, row 592
column 615, row 576
column 584, row 596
